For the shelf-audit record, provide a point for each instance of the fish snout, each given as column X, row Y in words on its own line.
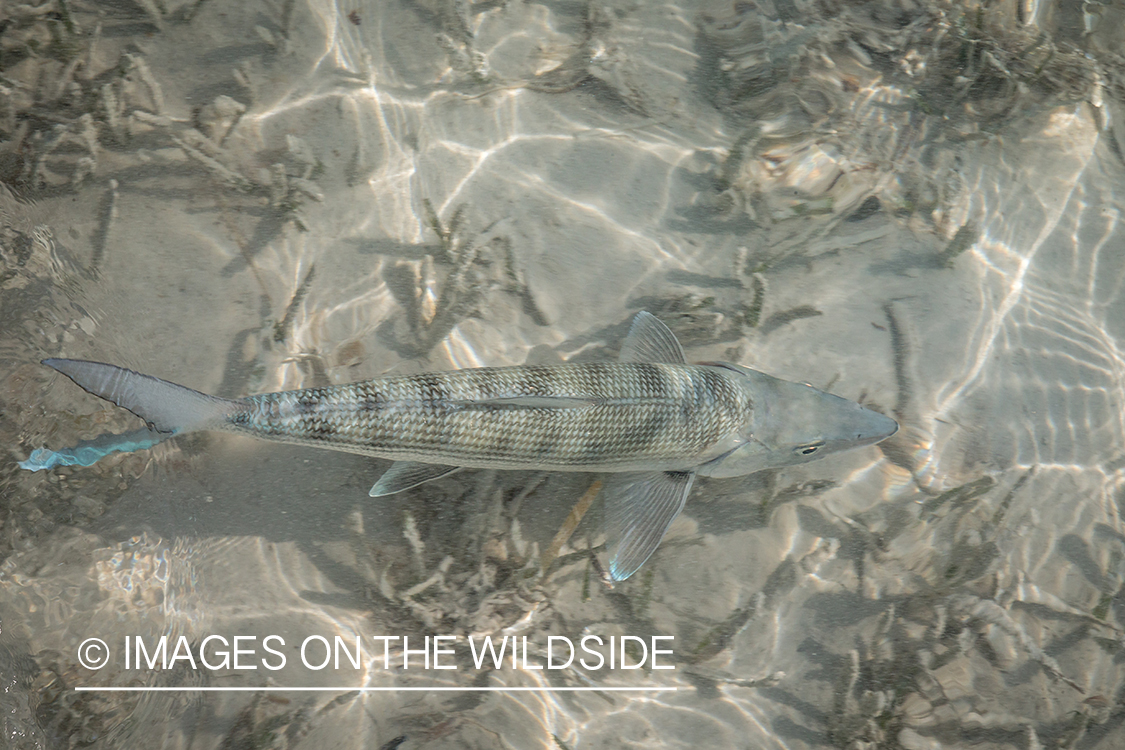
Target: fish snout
column 873, row 427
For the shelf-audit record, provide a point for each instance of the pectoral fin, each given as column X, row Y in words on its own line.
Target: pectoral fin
column 639, row 509
column 406, row 474
column 649, row 340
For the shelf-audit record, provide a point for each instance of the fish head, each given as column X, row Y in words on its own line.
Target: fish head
column 791, row 423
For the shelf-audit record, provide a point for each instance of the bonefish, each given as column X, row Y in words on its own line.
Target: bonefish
column 650, row 421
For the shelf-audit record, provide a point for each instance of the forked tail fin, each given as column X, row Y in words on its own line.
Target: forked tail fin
column 166, row 406
column 169, row 409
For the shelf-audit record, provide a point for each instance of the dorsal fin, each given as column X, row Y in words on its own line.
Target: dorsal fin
column 649, row 340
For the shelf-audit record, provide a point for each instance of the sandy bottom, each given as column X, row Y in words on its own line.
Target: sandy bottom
column 246, row 197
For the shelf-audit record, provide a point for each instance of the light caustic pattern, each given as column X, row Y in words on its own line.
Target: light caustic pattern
column 812, row 610
column 1045, row 364
column 414, row 136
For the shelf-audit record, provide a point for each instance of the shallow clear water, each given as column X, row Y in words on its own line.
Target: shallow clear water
column 914, row 205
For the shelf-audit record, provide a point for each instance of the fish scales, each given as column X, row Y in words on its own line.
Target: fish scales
column 617, row 416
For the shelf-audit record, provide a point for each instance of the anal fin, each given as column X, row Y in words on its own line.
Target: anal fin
column 639, row 509
column 404, row 475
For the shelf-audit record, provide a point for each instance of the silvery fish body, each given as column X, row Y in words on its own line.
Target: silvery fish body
column 650, row 421
column 579, row 417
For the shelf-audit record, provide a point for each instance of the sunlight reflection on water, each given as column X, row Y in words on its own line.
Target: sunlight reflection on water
column 421, row 186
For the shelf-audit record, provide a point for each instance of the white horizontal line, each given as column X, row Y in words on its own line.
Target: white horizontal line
column 345, row 689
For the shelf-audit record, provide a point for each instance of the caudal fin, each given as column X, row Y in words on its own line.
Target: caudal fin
column 167, row 407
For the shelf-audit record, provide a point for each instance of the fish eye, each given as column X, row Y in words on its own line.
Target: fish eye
column 809, row 449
